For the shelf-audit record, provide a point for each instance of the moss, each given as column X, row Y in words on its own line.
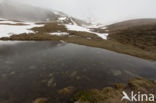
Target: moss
column 141, row 84
column 114, row 95
column 66, row 91
column 119, row 86
column 84, row 96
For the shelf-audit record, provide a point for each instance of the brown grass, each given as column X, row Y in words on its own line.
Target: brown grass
column 113, row 94
column 142, row 35
column 50, row 27
column 115, row 46
column 84, row 38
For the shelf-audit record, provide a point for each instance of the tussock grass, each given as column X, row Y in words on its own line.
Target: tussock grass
column 115, row 46
column 113, row 94
column 142, row 35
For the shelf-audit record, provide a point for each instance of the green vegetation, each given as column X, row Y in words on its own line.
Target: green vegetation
column 114, row 94
column 84, row 95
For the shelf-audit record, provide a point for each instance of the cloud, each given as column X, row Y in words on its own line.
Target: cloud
column 105, row 11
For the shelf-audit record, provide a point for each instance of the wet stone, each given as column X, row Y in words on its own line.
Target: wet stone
column 40, row 100
column 73, row 74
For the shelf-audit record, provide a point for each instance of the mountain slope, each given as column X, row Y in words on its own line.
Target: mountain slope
column 74, row 33
column 17, row 11
column 22, row 12
column 133, row 37
column 131, row 23
column 140, row 33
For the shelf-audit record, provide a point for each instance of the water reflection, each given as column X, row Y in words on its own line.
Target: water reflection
column 40, row 69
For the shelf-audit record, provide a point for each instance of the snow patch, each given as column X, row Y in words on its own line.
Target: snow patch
column 74, row 23
column 9, row 22
column 76, row 28
column 83, row 29
column 105, row 27
column 62, row 18
column 8, row 30
column 102, row 35
column 59, row 33
column 2, row 19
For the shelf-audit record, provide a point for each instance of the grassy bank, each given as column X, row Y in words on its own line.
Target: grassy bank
column 119, row 41
column 114, row 94
column 93, row 41
column 140, row 33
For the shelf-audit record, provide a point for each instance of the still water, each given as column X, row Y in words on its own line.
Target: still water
column 33, row 69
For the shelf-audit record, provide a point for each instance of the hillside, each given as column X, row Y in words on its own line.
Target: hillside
column 121, row 41
column 139, row 33
column 131, row 23
column 18, row 11
column 22, row 22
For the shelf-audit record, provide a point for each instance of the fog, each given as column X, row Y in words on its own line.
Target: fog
column 102, row 11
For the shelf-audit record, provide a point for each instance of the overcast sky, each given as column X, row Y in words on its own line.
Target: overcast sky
column 105, row 11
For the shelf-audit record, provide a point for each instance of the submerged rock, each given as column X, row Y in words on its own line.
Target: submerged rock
column 9, row 62
column 51, row 82
column 33, row 67
column 51, row 74
column 40, row 100
column 66, row 91
column 74, row 73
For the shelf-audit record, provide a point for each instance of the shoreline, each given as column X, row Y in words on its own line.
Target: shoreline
column 98, row 43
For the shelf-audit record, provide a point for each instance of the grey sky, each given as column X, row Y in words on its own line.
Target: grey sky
column 105, row 11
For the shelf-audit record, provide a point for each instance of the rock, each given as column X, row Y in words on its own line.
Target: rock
column 50, row 82
column 51, row 74
column 78, row 77
column 12, row 73
column 74, row 73
column 66, row 91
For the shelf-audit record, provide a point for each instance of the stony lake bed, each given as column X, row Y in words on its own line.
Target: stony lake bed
column 50, row 69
